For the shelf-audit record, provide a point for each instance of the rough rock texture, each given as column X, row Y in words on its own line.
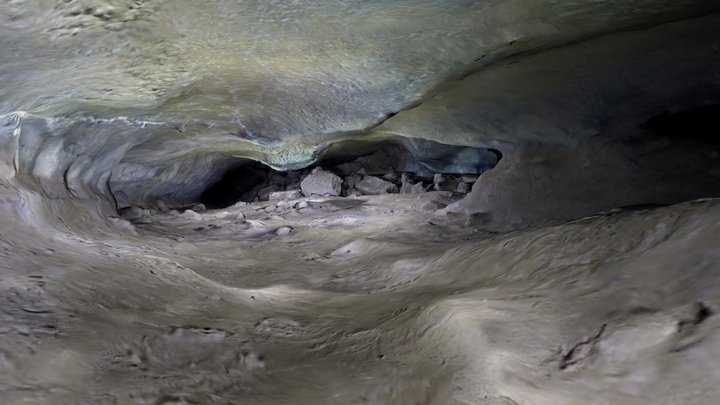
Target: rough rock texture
column 545, row 184
column 371, row 185
column 119, row 119
column 321, row 182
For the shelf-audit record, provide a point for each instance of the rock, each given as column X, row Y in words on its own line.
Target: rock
column 433, row 206
column 191, row 215
column 380, row 162
column 469, row 179
column 408, row 187
column 350, row 182
column 264, row 193
column 392, row 176
column 371, row 185
column 198, row 207
column 463, row 187
column 301, row 204
column 161, row 206
column 321, row 182
column 284, row 231
column 285, row 195
column 133, row 212
column 438, row 180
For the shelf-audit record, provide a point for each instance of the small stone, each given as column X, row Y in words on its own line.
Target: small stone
column 321, row 182
column 301, row 205
column 371, row 185
column 191, row 215
column 285, row 195
column 284, row 231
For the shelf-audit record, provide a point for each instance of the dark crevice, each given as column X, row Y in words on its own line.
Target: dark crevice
column 696, row 125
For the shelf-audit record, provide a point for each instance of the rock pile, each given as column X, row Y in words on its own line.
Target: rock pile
column 321, row 182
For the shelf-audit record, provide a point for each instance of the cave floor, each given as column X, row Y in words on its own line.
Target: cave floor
column 366, row 300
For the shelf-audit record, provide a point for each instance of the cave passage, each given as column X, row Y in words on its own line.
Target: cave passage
column 359, row 168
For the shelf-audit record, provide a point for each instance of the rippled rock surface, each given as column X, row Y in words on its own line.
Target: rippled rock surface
column 550, row 234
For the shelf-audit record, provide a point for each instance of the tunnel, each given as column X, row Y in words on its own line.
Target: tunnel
column 441, row 202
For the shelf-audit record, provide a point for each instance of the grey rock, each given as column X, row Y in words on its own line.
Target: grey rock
column 371, row 185
column 463, row 187
column 438, row 180
column 285, row 195
column 191, row 215
column 284, row 231
column 392, row 176
column 321, row 182
column 264, row 193
column 133, row 212
column 408, row 187
column 350, row 182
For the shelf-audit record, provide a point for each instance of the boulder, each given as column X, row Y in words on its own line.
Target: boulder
column 371, row 185
column 321, row 182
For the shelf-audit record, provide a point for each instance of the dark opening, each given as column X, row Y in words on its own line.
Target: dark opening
column 392, row 161
column 700, row 124
column 239, row 183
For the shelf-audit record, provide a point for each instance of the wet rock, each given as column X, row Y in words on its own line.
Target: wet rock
column 284, row 231
column 285, row 195
column 371, row 185
column 301, row 204
column 321, row 182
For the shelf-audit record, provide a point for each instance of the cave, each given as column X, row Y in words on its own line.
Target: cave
column 408, row 202
column 389, row 166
